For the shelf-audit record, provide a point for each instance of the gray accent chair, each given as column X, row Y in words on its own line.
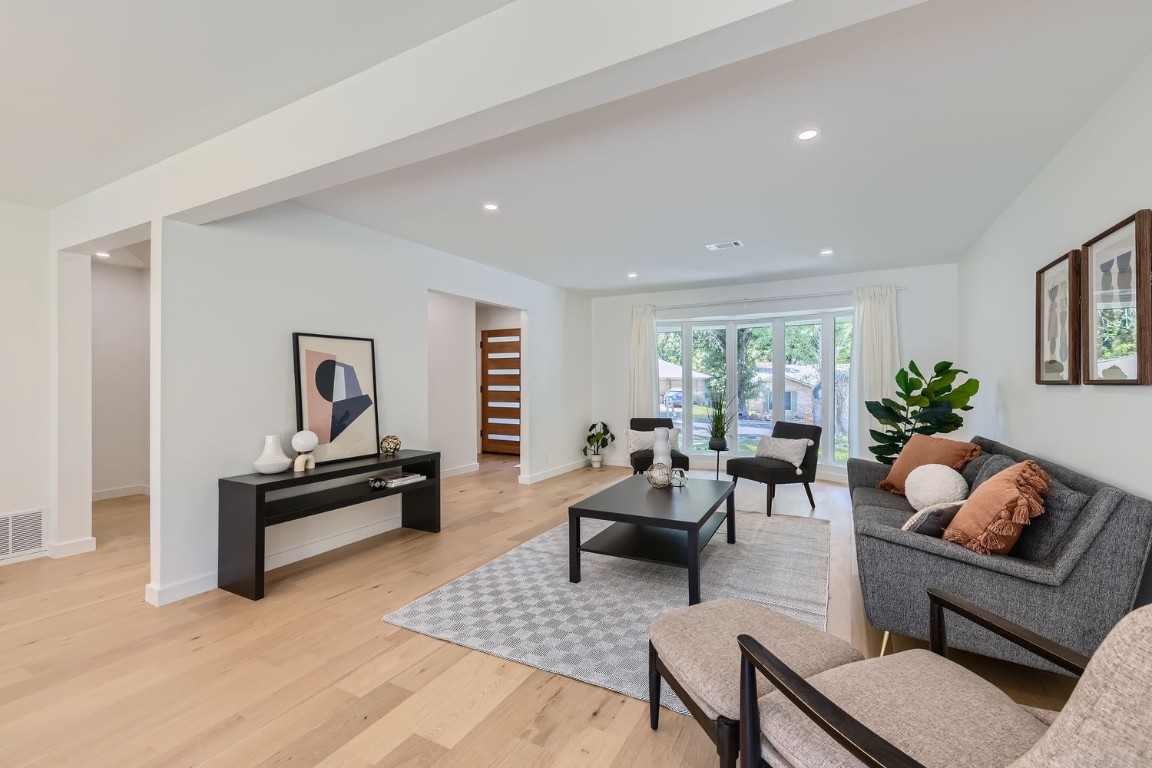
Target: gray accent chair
column 1075, row 572
column 642, row 460
column 774, row 472
column 917, row 708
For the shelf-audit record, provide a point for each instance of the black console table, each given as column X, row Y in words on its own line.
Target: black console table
column 245, row 510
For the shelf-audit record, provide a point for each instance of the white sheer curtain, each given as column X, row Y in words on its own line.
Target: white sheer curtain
column 644, row 382
column 875, row 357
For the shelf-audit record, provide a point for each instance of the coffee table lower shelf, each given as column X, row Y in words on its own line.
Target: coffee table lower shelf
column 665, row 546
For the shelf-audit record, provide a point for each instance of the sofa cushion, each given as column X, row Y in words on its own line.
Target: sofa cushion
column 921, row 450
column 991, row 518
column 934, row 484
column 1061, row 507
column 994, row 466
column 762, row 470
column 972, row 467
column 698, row 646
column 886, row 516
column 874, row 497
column 936, row 711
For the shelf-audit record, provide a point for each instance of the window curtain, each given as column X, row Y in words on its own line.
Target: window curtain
column 644, row 382
column 875, row 358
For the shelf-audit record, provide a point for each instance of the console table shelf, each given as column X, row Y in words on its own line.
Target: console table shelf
column 246, row 511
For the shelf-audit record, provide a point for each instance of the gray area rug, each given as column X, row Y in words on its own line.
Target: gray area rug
column 522, row 607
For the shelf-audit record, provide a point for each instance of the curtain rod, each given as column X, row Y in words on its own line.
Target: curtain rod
column 766, row 298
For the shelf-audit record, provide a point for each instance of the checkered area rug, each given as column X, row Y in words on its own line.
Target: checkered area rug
column 522, row 607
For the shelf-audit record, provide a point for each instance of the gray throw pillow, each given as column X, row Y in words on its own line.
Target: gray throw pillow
column 1043, row 534
column 931, row 521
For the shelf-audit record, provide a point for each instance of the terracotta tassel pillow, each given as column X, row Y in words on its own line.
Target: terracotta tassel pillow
column 993, row 516
column 921, row 450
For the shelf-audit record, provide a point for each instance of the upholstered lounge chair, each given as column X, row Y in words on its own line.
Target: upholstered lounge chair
column 642, row 460
column 917, row 709
column 775, row 472
column 694, row 650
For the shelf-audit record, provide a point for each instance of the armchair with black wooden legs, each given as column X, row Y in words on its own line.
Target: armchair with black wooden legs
column 773, row 472
column 922, row 709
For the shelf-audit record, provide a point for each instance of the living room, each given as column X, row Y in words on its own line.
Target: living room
column 960, row 147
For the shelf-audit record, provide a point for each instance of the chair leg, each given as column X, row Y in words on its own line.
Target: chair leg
column 771, row 493
column 808, row 490
column 653, row 688
column 727, row 741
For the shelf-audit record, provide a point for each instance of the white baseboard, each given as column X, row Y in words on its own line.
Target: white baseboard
column 23, row 557
column 116, row 493
column 389, row 522
column 163, row 595
column 69, row 548
column 463, row 470
column 832, row 474
column 548, row 474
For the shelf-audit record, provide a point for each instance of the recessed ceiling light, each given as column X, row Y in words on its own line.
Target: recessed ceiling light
column 491, row 207
column 827, row 252
column 632, row 275
column 103, row 255
column 808, row 134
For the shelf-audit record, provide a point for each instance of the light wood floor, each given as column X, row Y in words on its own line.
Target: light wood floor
column 92, row 676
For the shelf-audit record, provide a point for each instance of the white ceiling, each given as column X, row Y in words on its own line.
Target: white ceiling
column 93, row 90
column 933, row 119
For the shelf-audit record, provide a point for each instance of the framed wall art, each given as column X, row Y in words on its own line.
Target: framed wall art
column 336, row 394
column 1116, row 319
column 1058, row 321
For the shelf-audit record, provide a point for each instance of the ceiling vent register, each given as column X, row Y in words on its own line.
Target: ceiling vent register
column 724, row 245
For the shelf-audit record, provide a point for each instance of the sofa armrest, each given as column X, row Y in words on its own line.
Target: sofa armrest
column 1010, row 566
column 865, row 474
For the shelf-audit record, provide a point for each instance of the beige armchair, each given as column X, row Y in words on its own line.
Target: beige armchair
column 917, row 709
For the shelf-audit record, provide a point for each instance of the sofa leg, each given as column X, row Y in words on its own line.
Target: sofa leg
column 808, row 490
column 771, row 493
column 653, row 688
column 727, row 741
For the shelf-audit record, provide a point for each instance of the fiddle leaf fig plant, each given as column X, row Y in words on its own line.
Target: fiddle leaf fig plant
column 928, row 405
column 599, row 437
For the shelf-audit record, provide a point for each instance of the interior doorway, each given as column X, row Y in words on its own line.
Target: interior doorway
column 499, row 363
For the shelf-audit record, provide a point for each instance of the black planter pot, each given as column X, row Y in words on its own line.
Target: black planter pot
column 718, row 444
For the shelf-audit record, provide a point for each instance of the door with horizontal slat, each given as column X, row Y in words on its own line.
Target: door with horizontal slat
column 500, row 391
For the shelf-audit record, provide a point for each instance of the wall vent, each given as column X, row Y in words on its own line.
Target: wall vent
column 21, row 533
column 725, row 245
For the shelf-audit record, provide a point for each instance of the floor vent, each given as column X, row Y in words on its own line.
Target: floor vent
column 21, row 534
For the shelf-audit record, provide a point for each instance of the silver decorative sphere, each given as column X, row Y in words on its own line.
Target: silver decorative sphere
column 659, row 475
column 389, row 444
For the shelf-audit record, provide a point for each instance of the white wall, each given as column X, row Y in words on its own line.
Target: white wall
column 927, row 308
column 1101, row 177
column 119, row 381
column 24, row 350
column 233, row 293
column 490, row 318
column 452, row 420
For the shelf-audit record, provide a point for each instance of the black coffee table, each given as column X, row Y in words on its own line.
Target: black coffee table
column 656, row 525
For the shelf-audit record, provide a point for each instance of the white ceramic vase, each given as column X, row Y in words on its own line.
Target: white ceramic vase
column 597, row 460
column 661, row 448
column 273, row 459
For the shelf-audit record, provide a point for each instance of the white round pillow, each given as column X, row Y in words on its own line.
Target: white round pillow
column 934, row 484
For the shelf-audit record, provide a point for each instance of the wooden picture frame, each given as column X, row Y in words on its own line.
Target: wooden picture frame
column 1116, row 303
column 336, row 395
column 1058, row 321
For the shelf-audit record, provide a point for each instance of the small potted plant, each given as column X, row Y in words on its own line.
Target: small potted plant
column 720, row 421
column 599, row 438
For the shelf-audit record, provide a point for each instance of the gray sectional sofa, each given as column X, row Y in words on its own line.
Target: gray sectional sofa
column 1076, row 570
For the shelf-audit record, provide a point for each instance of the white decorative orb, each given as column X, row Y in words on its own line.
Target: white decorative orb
column 934, row 484
column 305, row 441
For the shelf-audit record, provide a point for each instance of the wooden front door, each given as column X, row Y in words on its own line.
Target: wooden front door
column 500, row 391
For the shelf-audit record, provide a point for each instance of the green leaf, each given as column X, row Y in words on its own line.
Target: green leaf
column 882, row 413
column 902, row 381
column 942, row 366
column 912, row 367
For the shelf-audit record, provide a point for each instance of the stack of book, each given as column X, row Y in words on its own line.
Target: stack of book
column 394, row 480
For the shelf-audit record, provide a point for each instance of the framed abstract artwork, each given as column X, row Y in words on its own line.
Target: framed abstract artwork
column 336, row 394
column 1058, row 321
column 1116, row 316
